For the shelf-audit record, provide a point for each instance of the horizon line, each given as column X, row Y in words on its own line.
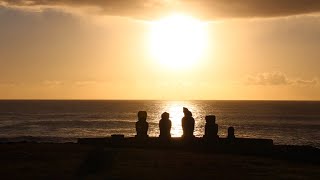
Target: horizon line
column 40, row 99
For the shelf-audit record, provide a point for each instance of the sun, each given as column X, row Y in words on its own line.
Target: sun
column 178, row 41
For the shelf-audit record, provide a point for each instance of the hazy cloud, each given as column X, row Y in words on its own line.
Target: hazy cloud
column 7, row 84
column 274, row 78
column 307, row 82
column 85, row 83
column 277, row 78
column 52, row 83
column 208, row 9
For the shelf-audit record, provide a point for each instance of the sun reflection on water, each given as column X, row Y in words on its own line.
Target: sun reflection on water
column 175, row 109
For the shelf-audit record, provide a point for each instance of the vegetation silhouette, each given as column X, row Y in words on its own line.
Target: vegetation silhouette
column 96, row 161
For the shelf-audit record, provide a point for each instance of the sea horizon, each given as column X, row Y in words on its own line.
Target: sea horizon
column 295, row 100
column 286, row 122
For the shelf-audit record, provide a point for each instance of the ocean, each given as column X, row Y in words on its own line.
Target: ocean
column 286, row 122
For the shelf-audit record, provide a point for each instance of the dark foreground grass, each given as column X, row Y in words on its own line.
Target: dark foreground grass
column 76, row 161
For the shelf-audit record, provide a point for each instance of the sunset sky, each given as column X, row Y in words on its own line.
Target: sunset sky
column 160, row 49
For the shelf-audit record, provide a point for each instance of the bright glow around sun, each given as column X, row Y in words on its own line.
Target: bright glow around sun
column 178, row 41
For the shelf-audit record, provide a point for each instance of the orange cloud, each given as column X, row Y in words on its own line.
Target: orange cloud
column 207, row 9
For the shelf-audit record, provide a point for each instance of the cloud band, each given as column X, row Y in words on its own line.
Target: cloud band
column 206, row 9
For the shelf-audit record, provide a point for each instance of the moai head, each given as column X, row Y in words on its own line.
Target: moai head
column 165, row 115
column 185, row 110
column 211, row 119
column 142, row 115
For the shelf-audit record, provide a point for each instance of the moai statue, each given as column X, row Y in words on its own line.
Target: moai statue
column 187, row 124
column 165, row 126
column 142, row 125
column 231, row 135
column 211, row 128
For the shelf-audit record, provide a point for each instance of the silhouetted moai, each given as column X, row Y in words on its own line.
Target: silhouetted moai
column 231, row 135
column 187, row 124
column 142, row 125
column 211, row 128
column 165, row 126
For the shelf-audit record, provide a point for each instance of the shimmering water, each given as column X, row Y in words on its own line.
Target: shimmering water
column 286, row 122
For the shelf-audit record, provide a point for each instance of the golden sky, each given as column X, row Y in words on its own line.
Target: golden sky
column 250, row 49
